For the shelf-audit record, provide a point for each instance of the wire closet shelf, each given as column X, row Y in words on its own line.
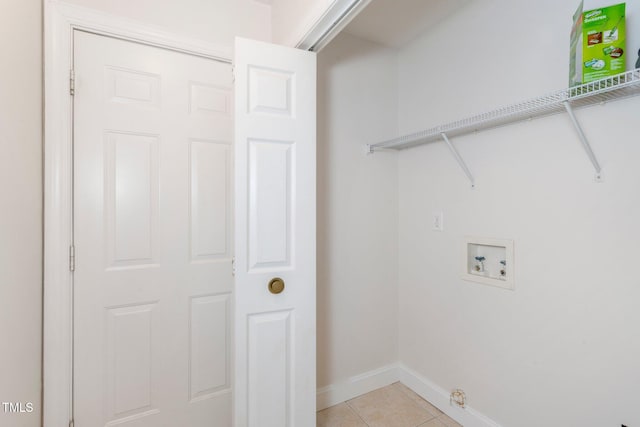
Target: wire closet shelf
column 611, row 88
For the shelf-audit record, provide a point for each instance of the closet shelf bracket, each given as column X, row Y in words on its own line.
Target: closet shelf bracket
column 584, row 141
column 459, row 159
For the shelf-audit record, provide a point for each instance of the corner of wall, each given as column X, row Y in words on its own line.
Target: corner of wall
column 356, row 385
column 357, row 212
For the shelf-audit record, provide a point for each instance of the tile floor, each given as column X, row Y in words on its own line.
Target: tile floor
column 393, row 406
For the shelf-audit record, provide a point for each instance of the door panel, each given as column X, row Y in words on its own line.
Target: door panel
column 270, row 384
column 131, row 208
column 270, row 216
column 128, row 371
column 210, row 165
column 209, row 363
column 275, row 236
column 153, row 236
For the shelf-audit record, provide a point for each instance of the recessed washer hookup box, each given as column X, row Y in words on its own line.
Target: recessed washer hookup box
column 597, row 44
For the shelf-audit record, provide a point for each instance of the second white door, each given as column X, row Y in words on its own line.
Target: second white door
column 153, row 236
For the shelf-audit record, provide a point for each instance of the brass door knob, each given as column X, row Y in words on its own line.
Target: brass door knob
column 276, row 285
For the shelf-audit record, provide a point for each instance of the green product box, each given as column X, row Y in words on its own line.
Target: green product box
column 597, row 44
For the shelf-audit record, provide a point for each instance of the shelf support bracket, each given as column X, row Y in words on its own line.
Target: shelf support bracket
column 584, row 141
column 461, row 162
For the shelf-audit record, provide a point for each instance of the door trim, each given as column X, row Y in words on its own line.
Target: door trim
column 330, row 24
column 60, row 21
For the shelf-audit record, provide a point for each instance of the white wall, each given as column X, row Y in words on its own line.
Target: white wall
column 357, row 210
column 215, row 21
column 291, row 19
column 561, row 349
column 20, row 215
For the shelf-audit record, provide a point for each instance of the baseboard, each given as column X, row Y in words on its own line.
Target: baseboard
column 356, row 386
column 439, row 397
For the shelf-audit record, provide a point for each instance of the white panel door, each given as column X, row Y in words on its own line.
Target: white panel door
column 153, row 236
column 275, row 236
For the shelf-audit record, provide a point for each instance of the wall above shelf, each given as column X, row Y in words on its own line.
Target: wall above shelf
column 612, row 88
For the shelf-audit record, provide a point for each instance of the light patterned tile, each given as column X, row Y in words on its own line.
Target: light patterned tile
column 419, row 400
column 389, row 407
column 338, row 416
column 448, row 421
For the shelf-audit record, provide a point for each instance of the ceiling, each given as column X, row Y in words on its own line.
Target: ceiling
column 394, row 23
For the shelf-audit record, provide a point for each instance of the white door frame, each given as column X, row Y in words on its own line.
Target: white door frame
column 61, row 20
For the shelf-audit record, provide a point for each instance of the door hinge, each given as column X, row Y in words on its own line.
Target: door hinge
column 72, row 258
column 233, row 266
column 72, row 82
column 71, row 424
column 233, row 73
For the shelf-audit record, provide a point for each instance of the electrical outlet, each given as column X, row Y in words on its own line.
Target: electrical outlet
column 437, row 221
